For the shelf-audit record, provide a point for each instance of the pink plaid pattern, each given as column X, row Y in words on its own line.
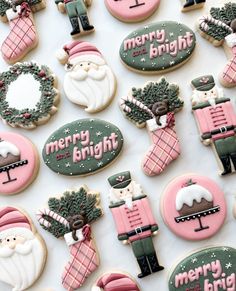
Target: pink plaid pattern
column 84, row 261
column 164, row 150
column 229, row 73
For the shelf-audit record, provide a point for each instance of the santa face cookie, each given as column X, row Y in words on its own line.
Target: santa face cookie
column 28, row 96
column 192, row 4
column 19, row 163
column 193, row 207
column 211, row 269
column 22, row 250
column 132, row 10
column 70, row 216
column 89, row 81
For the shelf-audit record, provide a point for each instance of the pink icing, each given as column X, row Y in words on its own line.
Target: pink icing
column 116, row 282
column 186, row 229
column 13, row 217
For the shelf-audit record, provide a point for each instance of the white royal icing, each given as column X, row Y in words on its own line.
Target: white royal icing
column 231, row 40
column 152, row 124
column 11, row 14
column 8, row 148
column 69, row 239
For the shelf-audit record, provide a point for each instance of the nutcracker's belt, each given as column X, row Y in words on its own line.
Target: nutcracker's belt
column 222, row 129
column 138, row 230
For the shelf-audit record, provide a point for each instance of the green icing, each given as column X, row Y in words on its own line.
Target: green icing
column 157, row 47
column 221, row 264
column 5, row 5
column 82, row 147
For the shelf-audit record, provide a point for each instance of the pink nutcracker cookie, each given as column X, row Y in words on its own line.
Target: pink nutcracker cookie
column 132, row 10
column 19, row 163
column 193, row 207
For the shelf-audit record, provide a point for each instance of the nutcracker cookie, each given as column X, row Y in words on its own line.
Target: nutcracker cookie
column 78, row 15
column 219, row 28
column 193, row 207
column 154, row 106
column 132, row 10
column 22, row 250
column 89, row 81
column 70, row 217
column 134, row 221
column 192, row 4
column 23, row 35
column 216, row 120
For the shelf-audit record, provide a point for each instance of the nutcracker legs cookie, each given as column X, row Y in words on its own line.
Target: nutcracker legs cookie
column 192, row 4
column 134, row 221
column 70, row 216
column 22, row 250
column 216, row 120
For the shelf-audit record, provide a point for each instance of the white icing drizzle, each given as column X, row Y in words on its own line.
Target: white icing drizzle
column 8, row 148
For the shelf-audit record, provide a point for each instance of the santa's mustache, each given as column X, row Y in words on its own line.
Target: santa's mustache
column 94, row 74
column 22, row 249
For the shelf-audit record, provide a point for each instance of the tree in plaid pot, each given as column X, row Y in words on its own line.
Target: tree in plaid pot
column 220, row 29
column 70, row 216
column 154, row 106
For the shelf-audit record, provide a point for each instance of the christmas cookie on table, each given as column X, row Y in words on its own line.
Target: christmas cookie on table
column 158, row 48
column 219, row 28
column 28, row 95
column 82, row 147
column 23, row 35
column 192, row 4
column 19, row 163
column 132, row 10
column 89, row 81
column 70, row 217
column 154, row 106
column 208, row 269
column 193, row 207
column 22, row 250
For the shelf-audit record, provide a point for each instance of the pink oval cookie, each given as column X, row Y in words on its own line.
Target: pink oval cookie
column 193, row 207
column 18, row 163
column 132, row 10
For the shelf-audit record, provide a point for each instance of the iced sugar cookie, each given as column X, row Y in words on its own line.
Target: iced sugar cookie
column 208, row 269
column 89, row 81
column 22, row 250
column 193, row 207
column 70, row 216
column 28, row 95
column 192, row 4
column 158, row 47
column 154, row 106
column 132, row 10
column 19, row 163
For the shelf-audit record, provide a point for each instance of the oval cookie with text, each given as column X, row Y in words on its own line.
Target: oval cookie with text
column 82, row 147
column 158, row 47
column 132, row 10
column 211, row 269
column 193, row 207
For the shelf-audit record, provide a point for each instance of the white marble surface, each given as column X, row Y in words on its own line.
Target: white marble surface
column 54, row 31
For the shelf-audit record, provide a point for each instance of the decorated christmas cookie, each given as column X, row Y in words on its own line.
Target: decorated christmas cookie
column 192, row 4
column 157, row 48
column 134, row 221
column 216, row 120
column 132, row 10
column 19, row 163
column 220, row 29
column 22, row 250
column 89, row 81
column 71, row 216
column 82, row 147
column 23, row 35
column 193, row 207
column 28, row 96
column 154, row 106
column 211, row 269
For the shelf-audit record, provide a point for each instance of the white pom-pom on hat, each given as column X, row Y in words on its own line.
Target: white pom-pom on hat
column 62, row 56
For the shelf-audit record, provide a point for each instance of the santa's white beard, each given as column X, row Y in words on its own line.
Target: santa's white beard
column 22, row 266
column 93, row 89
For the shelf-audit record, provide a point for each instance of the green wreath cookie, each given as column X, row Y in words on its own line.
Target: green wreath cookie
column 28, row 96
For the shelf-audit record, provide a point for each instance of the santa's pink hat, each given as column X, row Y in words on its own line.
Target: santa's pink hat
column 11, row 217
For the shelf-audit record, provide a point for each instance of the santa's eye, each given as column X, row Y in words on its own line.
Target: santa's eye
column 8, row 240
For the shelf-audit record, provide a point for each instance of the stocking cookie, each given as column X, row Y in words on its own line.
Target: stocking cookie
column 220, row 29
column 192, row 4
column 22, row 250
column 154, row 106
column 134, row 221
column 216, row 121
column 89, row 81
column 28, row 95
column 132, row 10
column 23, row 35
column 193, row 207
column 71, row 216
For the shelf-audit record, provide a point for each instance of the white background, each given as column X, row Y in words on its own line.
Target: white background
column 54, row 31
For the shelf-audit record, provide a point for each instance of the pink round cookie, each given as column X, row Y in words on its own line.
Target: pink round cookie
column 18, row 163
column 132, row 10
column 193, row 207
